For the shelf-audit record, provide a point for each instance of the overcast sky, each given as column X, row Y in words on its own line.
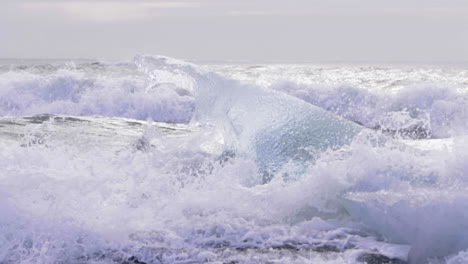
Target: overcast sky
column 258, row 30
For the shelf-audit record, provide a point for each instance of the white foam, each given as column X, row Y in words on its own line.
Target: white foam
column 112, row 188
column 73, row 92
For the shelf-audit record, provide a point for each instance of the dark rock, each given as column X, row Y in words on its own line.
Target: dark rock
column 326, row 248
column 374, row 258
column 286, row 247
column 39, row 119
column 72, row 119
column 133, row 260
column 132, row 123
column 141, row 144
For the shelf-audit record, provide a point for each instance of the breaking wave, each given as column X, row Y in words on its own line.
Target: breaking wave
column 417, row 110
column 251, row 175
column 73, row 92
column 427, row 111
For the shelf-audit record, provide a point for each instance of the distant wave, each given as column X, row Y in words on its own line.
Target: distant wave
column 426, row 110
column 73, row 92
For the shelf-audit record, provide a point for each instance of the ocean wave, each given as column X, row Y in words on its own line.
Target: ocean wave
column 131, row 90
column 73, row 92
column 416, row 111
column 110, row 189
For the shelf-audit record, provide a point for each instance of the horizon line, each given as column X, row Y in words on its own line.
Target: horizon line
column 258, row 61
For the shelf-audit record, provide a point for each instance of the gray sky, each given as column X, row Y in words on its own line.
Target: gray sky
column 274, row 30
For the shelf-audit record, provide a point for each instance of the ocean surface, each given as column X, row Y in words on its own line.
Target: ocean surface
column 157, row 160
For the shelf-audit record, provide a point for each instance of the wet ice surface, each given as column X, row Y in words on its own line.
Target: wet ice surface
column 294, row 172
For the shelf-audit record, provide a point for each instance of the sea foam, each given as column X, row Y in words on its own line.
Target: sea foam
column 85, row 188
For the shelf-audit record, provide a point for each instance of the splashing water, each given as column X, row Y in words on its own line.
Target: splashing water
column 242, row 173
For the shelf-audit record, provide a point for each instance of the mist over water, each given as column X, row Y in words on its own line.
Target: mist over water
column 162, row 161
